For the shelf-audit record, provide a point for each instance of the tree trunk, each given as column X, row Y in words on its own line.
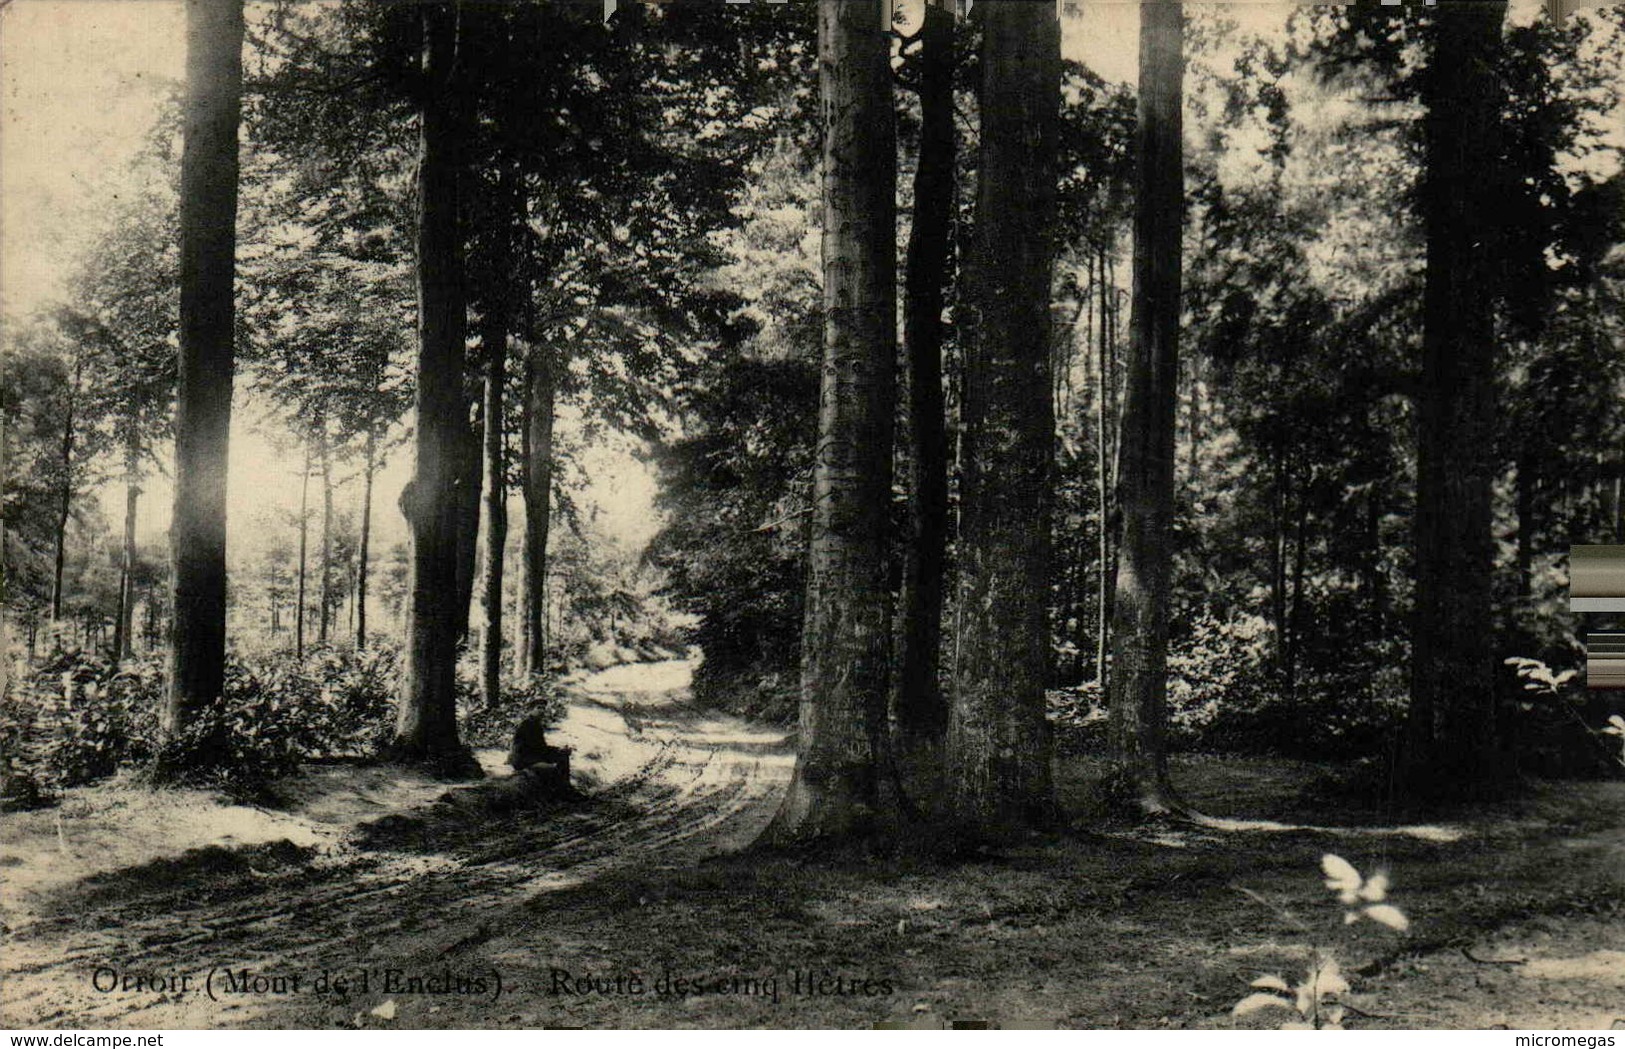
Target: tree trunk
column 921, row 710
column 325, row 457
column 836, row 787
column 426, row 730
column 208, row 234
column 1278, row 561
column 126, row 579
column 65, row 504
column 1140, row 623
column 304, row 542
column 494, row 339
column 469, row 461
column 1107, row 577
column 1526, row 526
column 1294, row 635
column 537, row 450
column 1194, row 430
column 998, row 735
column 364, row 547
column 1450, row 737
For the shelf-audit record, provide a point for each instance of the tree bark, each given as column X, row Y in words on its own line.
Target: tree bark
column 1107, row 577
column 921, row 710
column 65, row 505
column 364, row 546
column 1278, row 571
column 836, row 789
column 325, row 458
column 208, row 234
column 126, row 580
column 537, row 450
column 1450, row 737
column 1295, row 618
column 426, row 730
column 468, row 465
column 494, row 338
column 1194, row 429
column 1526, row 525
column 998, row 734
column 304, row 543
column 1146, row 492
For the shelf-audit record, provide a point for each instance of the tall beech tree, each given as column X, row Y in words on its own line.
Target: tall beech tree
column 324, row 462
column 837, row 785
column 1450, row 730
column 920, row 708
column 369, row 468
column 495, row 327
column 536, row 450
column 998, row 737
column 68, row 468
column 304, row 561
column 1139, row 675
column 208, row 234
column 426, row 731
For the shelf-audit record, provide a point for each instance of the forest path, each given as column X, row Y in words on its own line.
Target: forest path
column 669, row 784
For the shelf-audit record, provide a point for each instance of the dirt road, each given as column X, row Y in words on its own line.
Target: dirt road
column 467, row 914
column 241, row 936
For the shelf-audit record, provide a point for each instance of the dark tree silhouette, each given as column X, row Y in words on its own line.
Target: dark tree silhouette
column 1139, row 674
column 998, row 737
column 1450, row 732
column 537, row 452
column 921, row 709
column 426, row 732
column 208, row 217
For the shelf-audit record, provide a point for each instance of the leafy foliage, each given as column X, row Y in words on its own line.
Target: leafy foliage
column 737, row 488
column 76, row 719
column 1318, row 1000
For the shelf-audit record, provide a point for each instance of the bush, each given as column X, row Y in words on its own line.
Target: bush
column 1557, row 727
column 737, row 490
column 1078, row 716
column 75, row 720
column 1225, row 694
column 522, row 697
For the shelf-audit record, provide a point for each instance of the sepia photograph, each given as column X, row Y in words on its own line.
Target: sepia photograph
column 812, row 514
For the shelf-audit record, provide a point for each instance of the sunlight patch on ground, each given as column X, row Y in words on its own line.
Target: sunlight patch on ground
column 1423, row 832
column 671, row 675
column 628, row 723
column 1607, row 967
column 603, row 750
column 114, row 825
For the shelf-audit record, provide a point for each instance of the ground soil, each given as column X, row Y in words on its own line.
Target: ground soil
column 638, row 905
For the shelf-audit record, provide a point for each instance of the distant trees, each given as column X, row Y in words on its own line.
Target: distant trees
column 41, row 397
column 208, row 241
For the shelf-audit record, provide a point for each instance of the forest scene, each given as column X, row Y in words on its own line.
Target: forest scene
column 810, row 514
